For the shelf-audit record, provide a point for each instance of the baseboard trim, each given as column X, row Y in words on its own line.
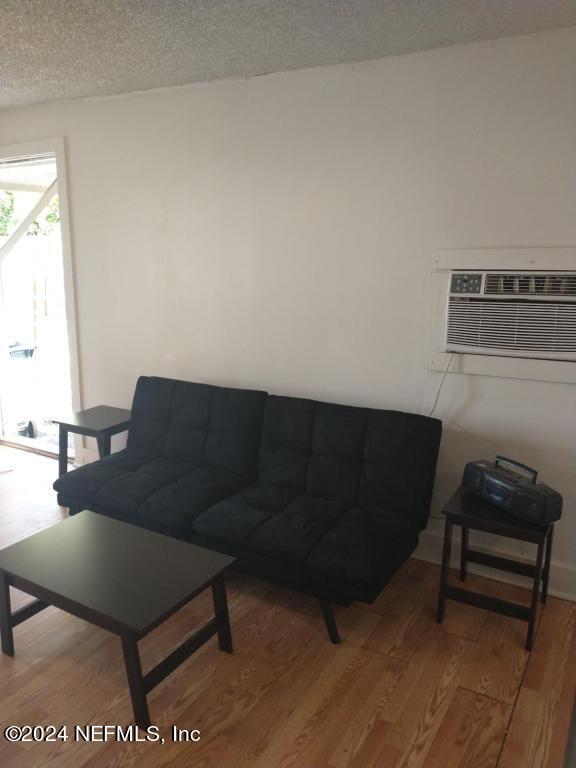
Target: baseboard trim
column 562, row 576
column 29, row 449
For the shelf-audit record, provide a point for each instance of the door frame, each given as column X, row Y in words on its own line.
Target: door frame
column 57, row 146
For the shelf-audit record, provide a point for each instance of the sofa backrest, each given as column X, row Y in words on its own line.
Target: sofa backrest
column 353, row 456
column 199, row 423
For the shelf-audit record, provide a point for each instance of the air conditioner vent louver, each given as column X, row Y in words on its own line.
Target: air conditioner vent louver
column 516, row 284
column 518, row 314
column 506, row 325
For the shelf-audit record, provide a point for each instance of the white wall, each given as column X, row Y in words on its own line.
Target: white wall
column 276, row 232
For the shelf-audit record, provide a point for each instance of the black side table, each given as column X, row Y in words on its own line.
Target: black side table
column 472, row 513
column 100, row 422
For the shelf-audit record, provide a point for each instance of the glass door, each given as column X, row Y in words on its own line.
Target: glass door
column 34, row 352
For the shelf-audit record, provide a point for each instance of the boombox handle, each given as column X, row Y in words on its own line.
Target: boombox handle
column 532, row 473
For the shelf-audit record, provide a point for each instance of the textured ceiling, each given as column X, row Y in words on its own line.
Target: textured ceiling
column 55, row 49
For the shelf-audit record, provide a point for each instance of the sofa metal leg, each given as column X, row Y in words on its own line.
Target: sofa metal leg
column 330, row 622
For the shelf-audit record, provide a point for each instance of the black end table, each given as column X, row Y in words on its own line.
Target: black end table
column 120, row 577
column 473, row 514
column 100, row 422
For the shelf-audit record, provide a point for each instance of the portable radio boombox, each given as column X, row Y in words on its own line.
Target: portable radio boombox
column 514, row 490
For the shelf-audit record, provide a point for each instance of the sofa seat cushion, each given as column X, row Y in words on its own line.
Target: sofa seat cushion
column 364, row 547
column 235, row 519
column 271, row 520
column 291, row 534
column 175, row 506
column 82, row 483
column 123, row 494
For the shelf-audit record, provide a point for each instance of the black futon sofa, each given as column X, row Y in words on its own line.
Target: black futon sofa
column 327, row 499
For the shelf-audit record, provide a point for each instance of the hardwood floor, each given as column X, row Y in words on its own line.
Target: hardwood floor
column 400, row 691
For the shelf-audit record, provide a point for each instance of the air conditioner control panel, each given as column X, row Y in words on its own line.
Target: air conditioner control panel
column 470, row 282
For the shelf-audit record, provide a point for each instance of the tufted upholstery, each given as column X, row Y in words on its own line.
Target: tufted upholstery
column 328, row 497
column 198, row 423
column 342, row 492
column 351, row 455
column 189, row 445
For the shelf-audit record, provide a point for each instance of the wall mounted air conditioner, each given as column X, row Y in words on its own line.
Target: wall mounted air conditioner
column 512, row 314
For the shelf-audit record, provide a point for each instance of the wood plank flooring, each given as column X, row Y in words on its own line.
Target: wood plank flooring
column 400, row 692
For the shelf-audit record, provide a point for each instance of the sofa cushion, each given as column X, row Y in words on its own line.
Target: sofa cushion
column 291, row 533
column 175, row 506
column 189, row 445
column 286, row 441
column 198, row 423
column 235, row 519
column 358, row 547
column 351, row 456
column 83, row 482
column 271, row 520
column 123, row 495
column 364, row 547
column 400, row 453
column 150, row 414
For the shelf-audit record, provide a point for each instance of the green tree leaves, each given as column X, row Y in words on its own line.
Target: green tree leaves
column 6, row 212
column 43, row 225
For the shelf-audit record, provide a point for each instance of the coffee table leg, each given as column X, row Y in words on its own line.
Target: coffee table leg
column 5, row 617
column 135, row 681
column 221, row 611
column 63, row 451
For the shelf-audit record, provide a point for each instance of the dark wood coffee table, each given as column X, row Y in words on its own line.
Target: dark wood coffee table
column 120, row 577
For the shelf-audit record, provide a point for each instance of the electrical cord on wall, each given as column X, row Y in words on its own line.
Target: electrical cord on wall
column 435, row 403
column 475, row 436
column 493, row 446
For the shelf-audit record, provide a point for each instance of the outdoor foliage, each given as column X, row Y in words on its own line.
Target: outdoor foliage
column 6, row 212
column 43, row 225
column 50, row 216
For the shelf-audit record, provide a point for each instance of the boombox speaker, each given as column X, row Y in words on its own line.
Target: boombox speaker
column 513, row 489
